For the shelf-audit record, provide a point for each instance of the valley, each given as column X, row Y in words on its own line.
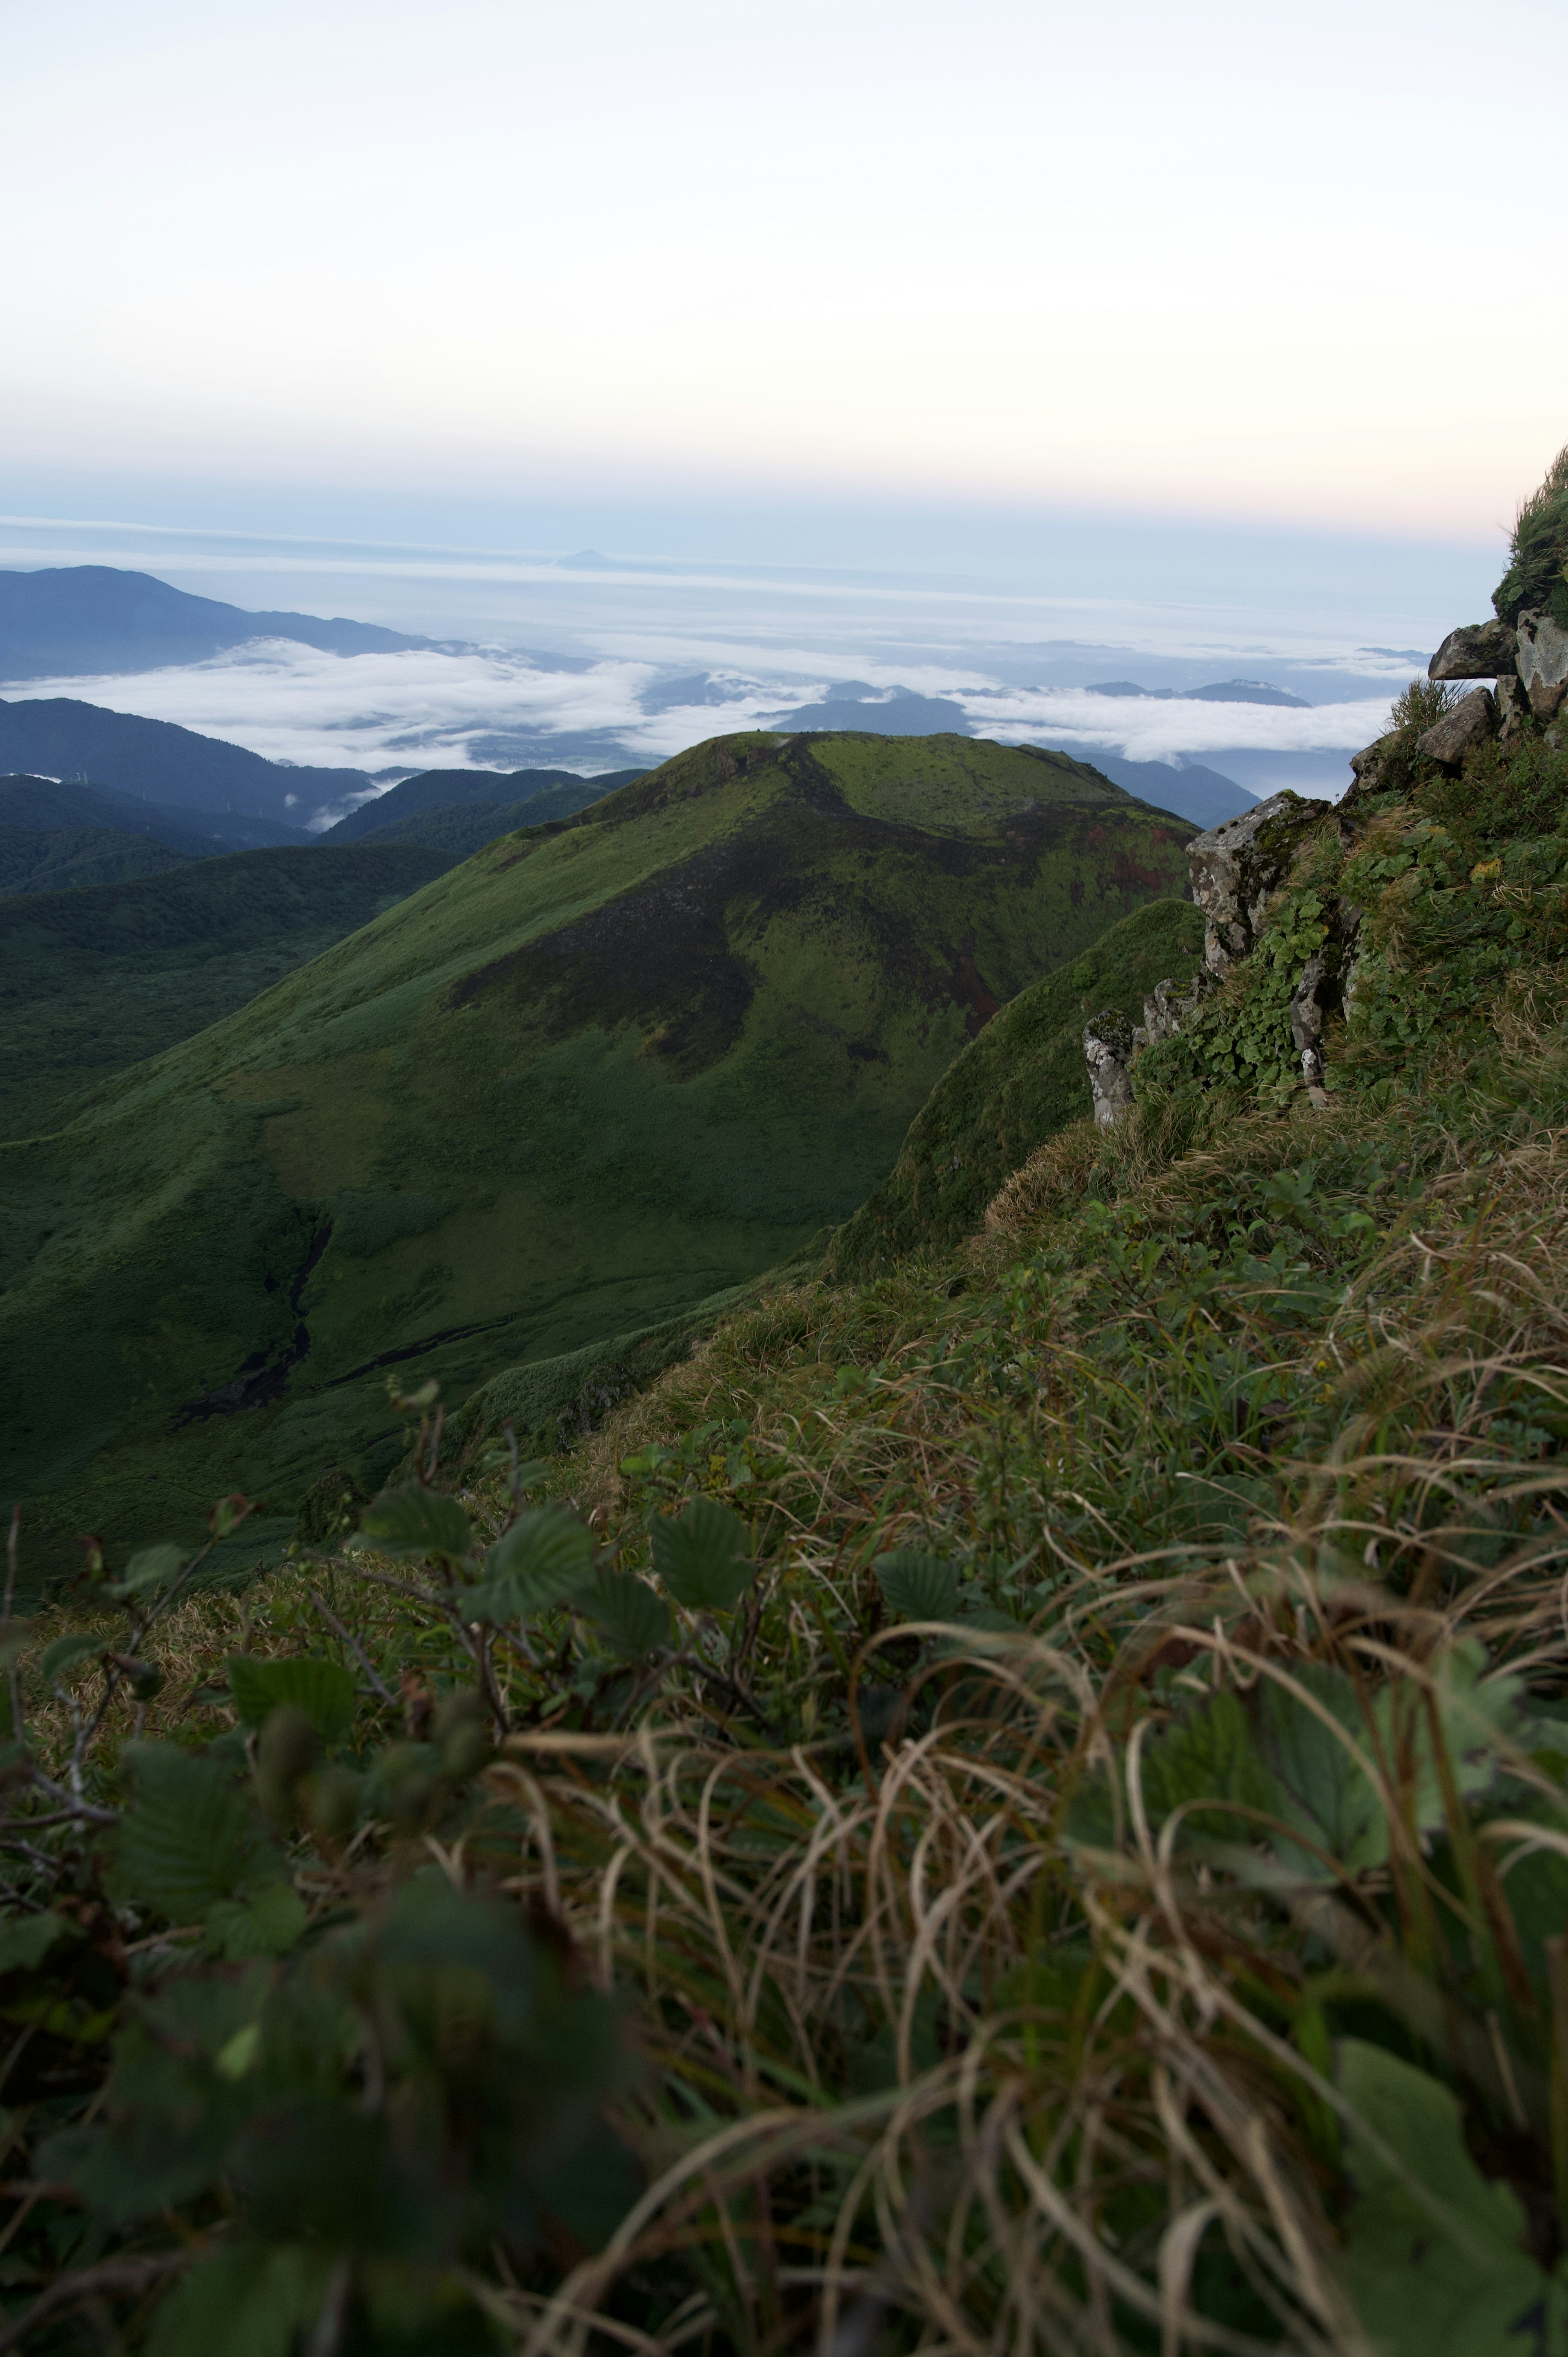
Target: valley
column 598, row 1074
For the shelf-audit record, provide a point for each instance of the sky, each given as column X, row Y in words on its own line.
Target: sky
column 891, row 339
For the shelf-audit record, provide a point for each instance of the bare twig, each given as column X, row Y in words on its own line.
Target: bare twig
column 377, row 1685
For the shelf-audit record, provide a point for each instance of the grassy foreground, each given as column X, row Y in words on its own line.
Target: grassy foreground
column 1017, row 1805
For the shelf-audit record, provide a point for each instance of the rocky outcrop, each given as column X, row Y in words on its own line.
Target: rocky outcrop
column 1473, row 719
column 1237, row 867
column 1108, row 1048
column 1477, row 650
column 1513, row 707
column 1543, row 664
column 1166, row 1013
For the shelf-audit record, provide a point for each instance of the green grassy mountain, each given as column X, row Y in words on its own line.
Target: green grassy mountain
column 594, row 1075
column 99, row 978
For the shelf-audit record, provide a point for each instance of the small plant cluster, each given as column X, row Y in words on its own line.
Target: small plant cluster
column 1538, row 569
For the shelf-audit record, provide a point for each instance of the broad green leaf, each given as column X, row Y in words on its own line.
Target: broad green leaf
column 1208, row 1755
column 919, row 1586
column 629, row 1615
column 65, row 1653
column 244, row 2302
column 1477, row 1715
column 266, row 1924
column 545, row 1558
column 1322, row 1790
column 1437, row 2259
column 190, row 1840
column 27, row 1940
column 149, row 1570
column 323, row 1691
column 418, row 1522
column 697, row 1555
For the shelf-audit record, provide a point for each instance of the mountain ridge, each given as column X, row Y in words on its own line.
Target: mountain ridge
column 60, row 621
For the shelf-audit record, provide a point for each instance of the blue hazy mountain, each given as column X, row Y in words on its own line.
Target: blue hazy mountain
column 67, row 620
column 492, row 798
column 56, row 737
column 1221, row 690
column 1204, row 796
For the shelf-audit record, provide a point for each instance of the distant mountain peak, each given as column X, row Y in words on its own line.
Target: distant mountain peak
column 66, row 622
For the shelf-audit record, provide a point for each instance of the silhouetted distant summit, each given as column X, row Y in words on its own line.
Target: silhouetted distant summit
column 71, row 621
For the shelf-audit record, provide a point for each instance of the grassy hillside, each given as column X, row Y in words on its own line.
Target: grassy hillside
column 578, row 1085
column 1058, row 1754
column 1019, row 1083
column 99, row 978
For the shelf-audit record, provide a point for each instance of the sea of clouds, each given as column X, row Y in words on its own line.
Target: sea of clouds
column 424, row 709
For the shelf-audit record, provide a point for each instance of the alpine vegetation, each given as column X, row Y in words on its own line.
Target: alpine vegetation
column 1006, row 1791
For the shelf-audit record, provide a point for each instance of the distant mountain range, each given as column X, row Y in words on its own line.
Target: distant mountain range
column 1223, row 691
column 64, row 620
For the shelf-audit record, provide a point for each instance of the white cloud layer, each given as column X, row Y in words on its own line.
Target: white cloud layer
column 427, row 710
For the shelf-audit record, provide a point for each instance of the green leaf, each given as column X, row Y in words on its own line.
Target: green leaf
column 65, row 1653
column 629, row 1615
column 1209, row 1754
column 418, row 1522
column 245, row 2301
column 919, row 1586
column 268, row 1923
column 27, row 1940
column 1322, row 1790
column 545, row 1558
column 697, row 1556
column 150, row 1569
column 191, row 1840
column 323, row 1691
column 1436, row 2258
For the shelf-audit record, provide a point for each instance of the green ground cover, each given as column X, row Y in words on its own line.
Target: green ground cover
column 104, row 975
column 1057, row 1753
column 61, row 858
column 575, row 1087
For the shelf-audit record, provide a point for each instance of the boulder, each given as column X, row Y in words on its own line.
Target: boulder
column 1479, row 650
column 1543, row 663
column 1108, row 1046
column 1237, row 868
column 1472, row 721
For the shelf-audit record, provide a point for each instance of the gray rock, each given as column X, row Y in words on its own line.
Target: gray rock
column 1308, row 1010
column 1543, row 663
column 1473, row 719
column 1479, row 650
column 1513, row 707
column 1108, row 1045
column 1237, row 868
column 1170, row 1007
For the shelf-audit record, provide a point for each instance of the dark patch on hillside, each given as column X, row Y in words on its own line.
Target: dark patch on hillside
column 670, row 955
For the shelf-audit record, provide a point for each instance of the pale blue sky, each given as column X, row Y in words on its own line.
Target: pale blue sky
column 1224, row 263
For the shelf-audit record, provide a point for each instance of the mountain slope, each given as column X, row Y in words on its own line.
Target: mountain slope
column 99, row 978
column 66, row 739
column 42, row 803
column 1018, row 1084
column 560, row 793
column 65, row 858
column 75, row 618
column 585, row 1080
